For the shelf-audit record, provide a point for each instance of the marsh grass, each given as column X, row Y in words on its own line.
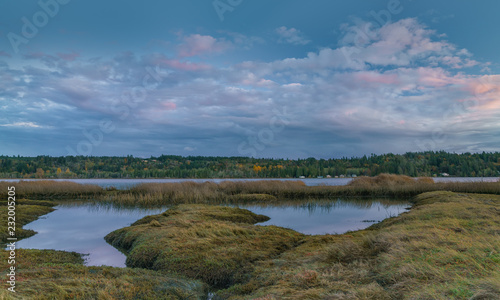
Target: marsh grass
column 158, row 194
column 48, row 189
column 384, row 185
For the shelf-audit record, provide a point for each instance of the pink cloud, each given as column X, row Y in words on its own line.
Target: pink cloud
column 486, row 90
column 197, row 44
column 184, row 66
column 350, row 112
column 374, row 77
column 435, row 77
column 169, row 105
column 3, row 53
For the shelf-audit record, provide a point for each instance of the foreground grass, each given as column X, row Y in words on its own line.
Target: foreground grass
column 48, row 274
column 446, row 247
column 217, row 245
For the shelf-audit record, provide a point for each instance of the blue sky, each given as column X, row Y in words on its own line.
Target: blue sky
column 248, row 78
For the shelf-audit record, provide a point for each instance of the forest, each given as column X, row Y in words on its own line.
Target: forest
column 415, row 164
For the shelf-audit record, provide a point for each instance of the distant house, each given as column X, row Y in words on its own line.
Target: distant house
column 320, row 176
column 342, row 176
column 445, row 174
column 302, row 177
column 354, row 175
column 328, row 176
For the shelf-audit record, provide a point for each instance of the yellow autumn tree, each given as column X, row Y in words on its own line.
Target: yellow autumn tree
column 257, row 169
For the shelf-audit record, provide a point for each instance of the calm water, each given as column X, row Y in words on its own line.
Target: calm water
column 127, row 183
column 81, row 228
column 328, row 217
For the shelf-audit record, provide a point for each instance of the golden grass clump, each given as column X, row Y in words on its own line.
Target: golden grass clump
column 382, row 180
column 425, row 180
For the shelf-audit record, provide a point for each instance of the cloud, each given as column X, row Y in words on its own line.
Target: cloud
column 401, row 43
column 291, row 36
column 387, row 92
column 196, row 44
column 243, row 41
column 181, row 65
column 22, row 124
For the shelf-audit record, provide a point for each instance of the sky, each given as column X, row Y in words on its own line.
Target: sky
column 274, row 79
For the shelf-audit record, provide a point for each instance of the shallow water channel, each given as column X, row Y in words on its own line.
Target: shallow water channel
column 82, row 227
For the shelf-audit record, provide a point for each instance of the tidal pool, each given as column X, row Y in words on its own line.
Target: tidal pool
column 82, row 227
column 329, row 217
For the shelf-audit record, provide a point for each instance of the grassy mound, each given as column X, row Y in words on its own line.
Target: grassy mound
column 446, row 247
column 385, row 180
column 218, row 245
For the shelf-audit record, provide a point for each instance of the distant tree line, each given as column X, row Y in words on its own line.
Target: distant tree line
column 413, row 164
